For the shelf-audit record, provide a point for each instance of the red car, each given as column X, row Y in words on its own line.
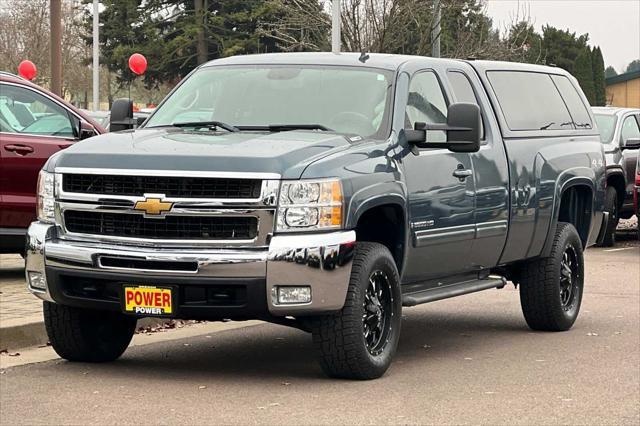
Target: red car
column 636, row 193
column 34, row 124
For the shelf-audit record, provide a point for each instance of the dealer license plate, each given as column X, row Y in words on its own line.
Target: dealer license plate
column 147, row 300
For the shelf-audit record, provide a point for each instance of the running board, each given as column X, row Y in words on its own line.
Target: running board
column 439, row 293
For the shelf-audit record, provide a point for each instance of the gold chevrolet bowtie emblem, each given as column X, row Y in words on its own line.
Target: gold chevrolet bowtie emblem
column 153, row 206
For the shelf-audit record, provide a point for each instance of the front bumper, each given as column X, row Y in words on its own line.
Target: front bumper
column 73, row 269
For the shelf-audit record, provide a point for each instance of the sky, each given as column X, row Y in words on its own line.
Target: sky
column 614, row 25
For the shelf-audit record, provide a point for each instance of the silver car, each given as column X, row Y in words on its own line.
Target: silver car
column 620, row 133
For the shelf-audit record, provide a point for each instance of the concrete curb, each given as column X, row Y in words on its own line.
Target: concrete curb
column 22, row 335
column 19, row 335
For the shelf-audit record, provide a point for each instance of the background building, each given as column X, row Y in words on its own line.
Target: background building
column 624, row 90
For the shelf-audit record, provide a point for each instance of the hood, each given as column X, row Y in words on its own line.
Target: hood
column 286, row 153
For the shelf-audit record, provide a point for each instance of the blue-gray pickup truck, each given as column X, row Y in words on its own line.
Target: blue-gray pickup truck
column 326, row 192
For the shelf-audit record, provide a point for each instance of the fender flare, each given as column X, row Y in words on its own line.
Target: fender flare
column 388, row 193
column 560, row 190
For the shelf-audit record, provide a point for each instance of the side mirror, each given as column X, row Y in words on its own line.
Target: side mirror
column 82, row 130
column 631, row 143
column 140, row 120
column 121, row 117
column 462, row 128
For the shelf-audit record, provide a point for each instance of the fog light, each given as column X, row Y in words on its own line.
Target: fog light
column 37, row 280
column 290, row 295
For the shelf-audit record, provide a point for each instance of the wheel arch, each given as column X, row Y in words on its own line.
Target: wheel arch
column 575, row 205
column 383, row 219
column 616, row 179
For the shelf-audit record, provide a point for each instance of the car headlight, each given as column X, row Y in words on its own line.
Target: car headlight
column 46, row 206
column 308, row 205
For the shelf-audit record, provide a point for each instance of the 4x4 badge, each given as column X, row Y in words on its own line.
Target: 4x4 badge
column 153, row 206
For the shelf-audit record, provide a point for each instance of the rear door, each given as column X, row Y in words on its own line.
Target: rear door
column 32, row 128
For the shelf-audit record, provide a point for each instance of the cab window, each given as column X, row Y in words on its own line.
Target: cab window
column 577, row 108
column 426, row 104
column 530, row 101
column 629, row 129
column 25, row 111
column 463, row 91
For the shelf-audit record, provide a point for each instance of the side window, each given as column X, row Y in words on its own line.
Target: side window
column 629, row 129
column 463, row 92
column 529, row 101
column 426, row 104
column 25, row 111
column 577, row 108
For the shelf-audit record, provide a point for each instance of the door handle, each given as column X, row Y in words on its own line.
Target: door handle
column 462, row 174
column 19, row 149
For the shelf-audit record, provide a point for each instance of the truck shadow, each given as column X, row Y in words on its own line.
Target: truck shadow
column 279, row 353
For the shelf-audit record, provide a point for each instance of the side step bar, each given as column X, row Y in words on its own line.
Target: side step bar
column 439, row 293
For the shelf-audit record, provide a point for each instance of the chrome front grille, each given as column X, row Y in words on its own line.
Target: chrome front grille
column 170, row 186
column 225, row 209
column 168, row 228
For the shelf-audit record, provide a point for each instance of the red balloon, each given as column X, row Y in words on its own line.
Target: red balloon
column 27, row 69
column 137, row 63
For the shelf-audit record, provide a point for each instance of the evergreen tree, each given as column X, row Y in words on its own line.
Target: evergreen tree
column 166, row 32
column 465, row 29
column 583, row 72
column 524, row 43
column 597, row 62
column 634, row 66
column 610, row 72
column 563, row 47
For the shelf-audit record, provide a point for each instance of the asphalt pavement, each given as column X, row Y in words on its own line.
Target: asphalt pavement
column 467, row 360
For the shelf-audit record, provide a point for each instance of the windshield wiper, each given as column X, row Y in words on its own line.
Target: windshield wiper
column 286, row 127
column 209, row 124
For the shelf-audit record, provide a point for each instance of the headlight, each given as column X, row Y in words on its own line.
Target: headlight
column 307, row 205
column 46, row 209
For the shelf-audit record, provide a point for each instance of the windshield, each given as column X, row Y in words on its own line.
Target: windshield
column 344, row 99
column 606, row 126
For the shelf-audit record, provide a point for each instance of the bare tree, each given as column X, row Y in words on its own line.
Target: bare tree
column 24, row 34
column 303, row 26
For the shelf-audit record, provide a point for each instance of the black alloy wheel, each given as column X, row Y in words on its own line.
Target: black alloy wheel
column 569, row 278
column 378, row 313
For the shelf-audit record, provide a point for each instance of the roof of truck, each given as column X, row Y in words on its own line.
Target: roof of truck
column 374, row 60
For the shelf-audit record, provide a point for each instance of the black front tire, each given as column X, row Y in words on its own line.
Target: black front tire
column 611, row 205
column 551, row 288
column 345, row 342
column 87, row 335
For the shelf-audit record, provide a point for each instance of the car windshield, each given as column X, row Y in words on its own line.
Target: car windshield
column 343, row 99
column 606, row 126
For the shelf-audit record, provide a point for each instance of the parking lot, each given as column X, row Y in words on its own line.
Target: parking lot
column 464, row 360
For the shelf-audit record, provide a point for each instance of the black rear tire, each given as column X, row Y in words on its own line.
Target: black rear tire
column 551, row 288
column 611, row 205
column 87, row 335
column 359, row 341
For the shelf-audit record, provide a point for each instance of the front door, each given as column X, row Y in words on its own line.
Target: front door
column 441, row 191
column 32, row 128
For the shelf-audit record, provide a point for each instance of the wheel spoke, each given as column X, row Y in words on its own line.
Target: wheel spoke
column 377, row 302
column 568, row 277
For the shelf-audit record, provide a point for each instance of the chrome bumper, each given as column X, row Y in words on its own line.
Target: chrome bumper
column 321, row 261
